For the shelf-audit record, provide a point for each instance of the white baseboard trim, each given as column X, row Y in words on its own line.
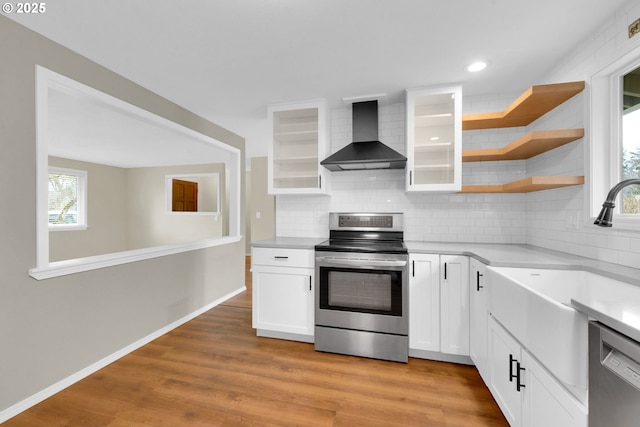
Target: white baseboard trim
column 441, row 357
column 284, row 335
column 33, row 400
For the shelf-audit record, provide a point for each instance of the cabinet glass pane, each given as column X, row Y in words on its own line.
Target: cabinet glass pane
column 434, row 143
column 295, row 148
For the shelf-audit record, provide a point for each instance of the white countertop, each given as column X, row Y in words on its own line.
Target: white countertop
column 518, row 255
column 289, row 242
column 497, row 254
column 620, row 310
column 622, row 314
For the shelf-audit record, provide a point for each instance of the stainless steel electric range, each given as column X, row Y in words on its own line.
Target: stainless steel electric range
column 361, row 295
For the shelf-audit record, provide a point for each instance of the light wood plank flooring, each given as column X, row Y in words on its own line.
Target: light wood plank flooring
column 214, row 371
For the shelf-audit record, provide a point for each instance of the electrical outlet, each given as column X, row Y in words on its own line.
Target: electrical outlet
column 573, row 220
column 570, row 221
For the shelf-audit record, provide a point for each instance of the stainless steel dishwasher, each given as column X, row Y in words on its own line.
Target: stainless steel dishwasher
column 614, row 378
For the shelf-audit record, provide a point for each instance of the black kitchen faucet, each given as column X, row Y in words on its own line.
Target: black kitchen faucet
column 606, row 214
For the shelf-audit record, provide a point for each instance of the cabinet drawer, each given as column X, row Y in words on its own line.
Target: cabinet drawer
column 303, row 258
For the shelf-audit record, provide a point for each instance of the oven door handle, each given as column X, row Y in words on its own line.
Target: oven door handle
column 360, row 262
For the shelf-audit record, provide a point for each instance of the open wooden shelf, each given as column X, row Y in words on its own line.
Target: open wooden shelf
column 526, row 185
column 528, row 146
column 533, row 103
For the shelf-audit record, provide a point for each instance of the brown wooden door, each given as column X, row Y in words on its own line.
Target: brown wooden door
column 184, row 196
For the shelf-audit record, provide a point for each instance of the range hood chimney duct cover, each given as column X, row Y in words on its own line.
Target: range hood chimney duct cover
column 365, row 152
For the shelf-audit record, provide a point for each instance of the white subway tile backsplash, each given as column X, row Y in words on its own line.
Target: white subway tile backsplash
column 441, row 217
column 604, row 244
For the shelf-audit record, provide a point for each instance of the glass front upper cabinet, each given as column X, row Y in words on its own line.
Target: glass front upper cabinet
column 298, row 144
column 434, row 139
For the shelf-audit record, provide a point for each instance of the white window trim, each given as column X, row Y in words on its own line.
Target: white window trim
column 606, row 141
column 81, row 202
column 45, row 269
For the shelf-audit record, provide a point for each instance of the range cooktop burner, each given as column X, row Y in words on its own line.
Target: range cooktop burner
column 363, row 245
column 365, row 233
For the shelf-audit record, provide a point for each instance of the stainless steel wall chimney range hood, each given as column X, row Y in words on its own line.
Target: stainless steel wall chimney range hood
column 365, row 152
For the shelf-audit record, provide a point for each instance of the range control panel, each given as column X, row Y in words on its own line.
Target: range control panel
column 624, row 367
column 384, row 221
column 366, row 221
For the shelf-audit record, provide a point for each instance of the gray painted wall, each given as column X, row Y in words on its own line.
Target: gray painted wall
column 149, row 225
column 107, row 231
column 265, row 226
column 53, row 328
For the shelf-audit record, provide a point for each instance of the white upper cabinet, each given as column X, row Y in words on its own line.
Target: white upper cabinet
column 298, row 144
column 434, row 139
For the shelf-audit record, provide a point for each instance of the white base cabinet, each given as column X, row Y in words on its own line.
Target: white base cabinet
column 454, row 304
column 439, row 303
column 424, row 302
column 479, row 317
column 283, row 281
column 527, row 394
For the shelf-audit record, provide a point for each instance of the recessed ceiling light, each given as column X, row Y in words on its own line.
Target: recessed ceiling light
column 477, row 66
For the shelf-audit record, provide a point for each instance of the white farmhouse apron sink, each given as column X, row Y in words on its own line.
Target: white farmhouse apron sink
column 534, row 305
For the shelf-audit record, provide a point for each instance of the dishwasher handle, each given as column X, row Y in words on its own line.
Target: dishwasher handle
column 616, row 341
column 620, row 355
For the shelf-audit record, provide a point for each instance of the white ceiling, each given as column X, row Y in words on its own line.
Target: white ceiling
column 227, row 59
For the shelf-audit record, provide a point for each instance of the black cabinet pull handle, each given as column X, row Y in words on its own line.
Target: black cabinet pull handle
column 511, row 374
column 413, row 268
column 319, row 181
column 445, row 271
column 519, row 384
column 310, row 282
column 478, row 276
column 410, row 177
column 281, row 257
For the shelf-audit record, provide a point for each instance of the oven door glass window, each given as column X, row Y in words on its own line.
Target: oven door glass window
column 363, row 291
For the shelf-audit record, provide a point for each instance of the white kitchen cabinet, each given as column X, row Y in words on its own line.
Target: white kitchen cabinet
column 527, row 394
column 454, row 304
column 439, row 304
column 546, row 402
column 504, row 353
column 479, row 317
column 434, row 139
column 298, row 143
column 283, row 281
column 424, row 302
